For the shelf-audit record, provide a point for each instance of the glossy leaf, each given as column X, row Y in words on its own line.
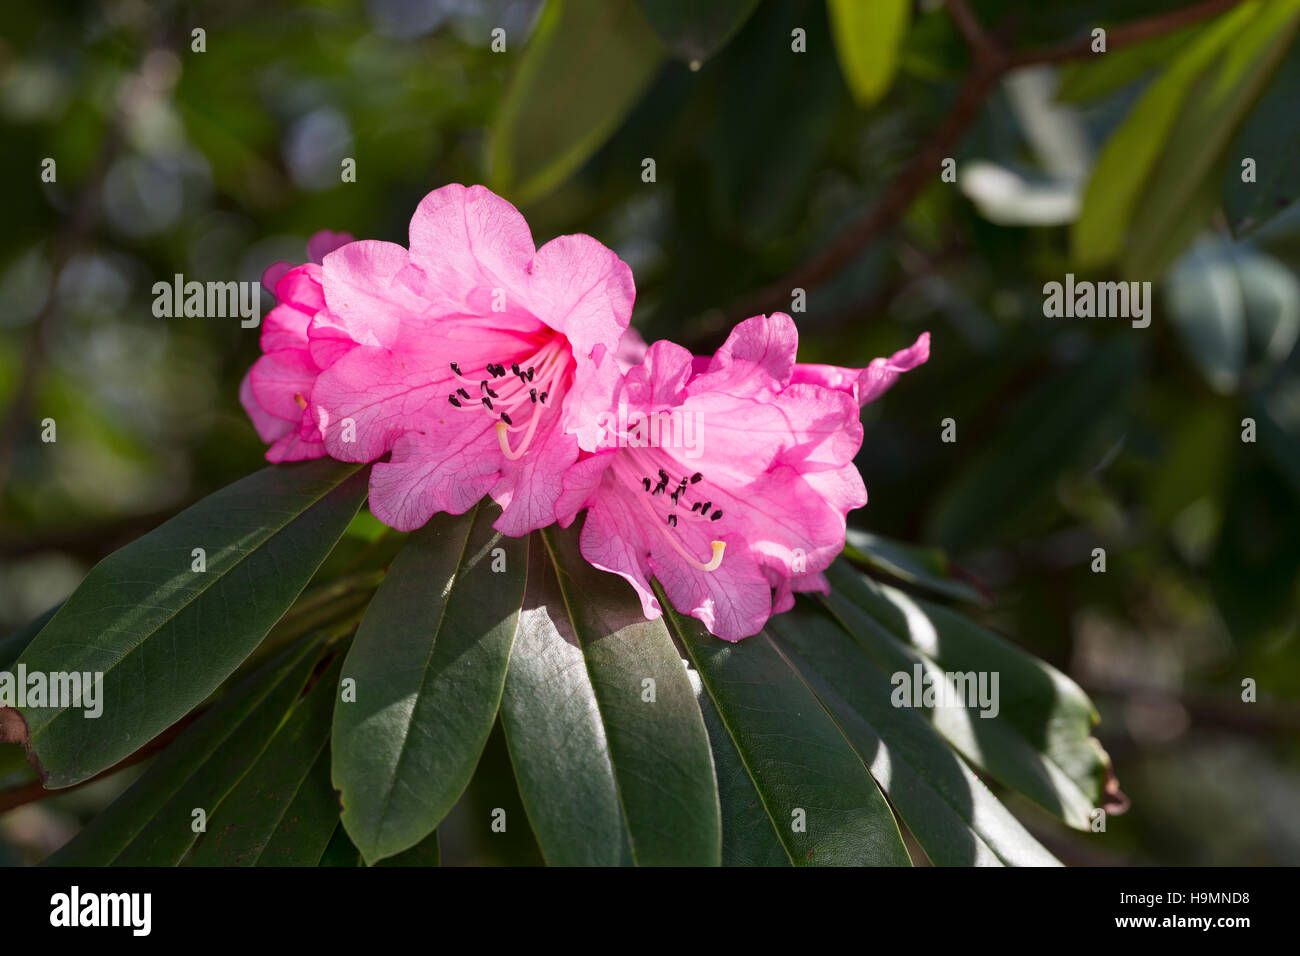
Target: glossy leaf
column 151, row 823
column 598, row 704
column 556, row 733
column 917, row 565
column 749, row 835
column 868, row 40
column 582, row 71
column 816, row 794
column 283, row 811
column 1037, row 738
column 164, row 635
column 428, row 663
column 949, row 810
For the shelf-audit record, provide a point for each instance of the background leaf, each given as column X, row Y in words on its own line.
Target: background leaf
column 868, row 39
column 695, row 31
column 1270, row 138
column 1133, row 151
column 584, row 68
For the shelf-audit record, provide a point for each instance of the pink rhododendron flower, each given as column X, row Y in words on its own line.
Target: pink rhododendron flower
column 727, row 479
column 276, row 389
column 475, row 352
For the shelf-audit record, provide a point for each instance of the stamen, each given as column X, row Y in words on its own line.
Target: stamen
column 455, row 369
column 695, row 477
column 297, row 397
column 454, row 400
column 463, row 393
column 716, row 515
column 503, row 438
column 714, row 563
column 672, row 520
column 506, row 418
column 646, row 482
column 487, row 401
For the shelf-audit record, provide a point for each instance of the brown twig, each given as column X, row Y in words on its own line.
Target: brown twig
column 992, row 63
column 1125, row 35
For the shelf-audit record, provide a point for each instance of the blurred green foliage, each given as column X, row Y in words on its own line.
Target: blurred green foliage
column 1072, row 434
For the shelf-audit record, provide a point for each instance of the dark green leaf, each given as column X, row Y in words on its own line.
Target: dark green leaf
column 283, row 811
column 556, row 733
column 913, row 564
column 749, row 835
column 150, row 824
column 341, row 851
column 952, row 814
column 596, row 669
column 165, row 636
column 424, row 853
column 1039, row 740
column 816, row 793
column 428, row 662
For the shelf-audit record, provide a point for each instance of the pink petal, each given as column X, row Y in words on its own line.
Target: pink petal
column 371, row 289
column 268, row 427
column 867, row 384
column 446, row 470
column 759, row 355
column 285, row 328
column 278, row 379
column 467, row 240
column 581, row 288
column 530, row 487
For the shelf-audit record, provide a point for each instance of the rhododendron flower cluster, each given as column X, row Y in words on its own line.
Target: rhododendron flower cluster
column 474, row 363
